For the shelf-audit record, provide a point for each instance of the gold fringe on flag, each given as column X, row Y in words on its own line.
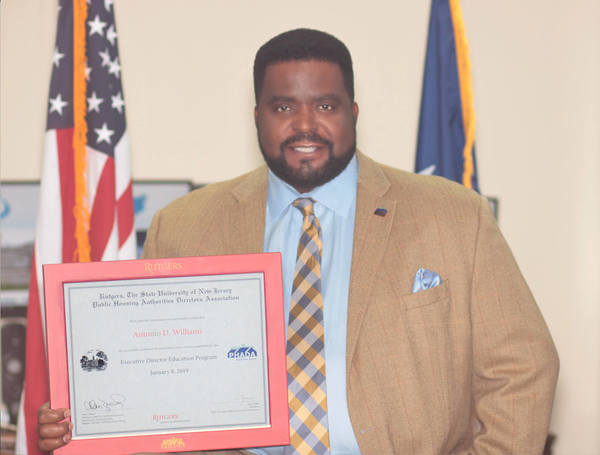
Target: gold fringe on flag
column 81, row 209
column 466, row 90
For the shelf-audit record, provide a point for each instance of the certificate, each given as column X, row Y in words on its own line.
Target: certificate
column 170, row 354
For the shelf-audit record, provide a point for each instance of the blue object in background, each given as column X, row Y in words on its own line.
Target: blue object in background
column 445, row 144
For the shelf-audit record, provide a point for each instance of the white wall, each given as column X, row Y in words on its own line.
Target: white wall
column 537, row 75
column 536, row 65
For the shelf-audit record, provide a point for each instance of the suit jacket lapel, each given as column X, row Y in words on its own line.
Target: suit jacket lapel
column 244, row 228
column 371, row 234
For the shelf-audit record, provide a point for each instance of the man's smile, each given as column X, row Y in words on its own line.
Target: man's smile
column 306, row 144
column 305, row 148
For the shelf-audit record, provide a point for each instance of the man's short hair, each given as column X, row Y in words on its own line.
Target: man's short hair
column 303, row 44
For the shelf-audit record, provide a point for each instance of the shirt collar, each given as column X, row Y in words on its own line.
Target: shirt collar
column 281, row 194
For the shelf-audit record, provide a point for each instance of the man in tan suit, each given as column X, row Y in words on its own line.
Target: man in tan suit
column 463, row 366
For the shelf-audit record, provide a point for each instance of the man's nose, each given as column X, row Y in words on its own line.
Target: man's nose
column 305, row 119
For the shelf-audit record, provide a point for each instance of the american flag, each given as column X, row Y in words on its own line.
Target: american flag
column 86, row 206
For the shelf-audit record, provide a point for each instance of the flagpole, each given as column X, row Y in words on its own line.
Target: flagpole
column 81, row 210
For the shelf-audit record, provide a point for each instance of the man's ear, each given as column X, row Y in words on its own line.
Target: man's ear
column 355, row 112
column 256, row 115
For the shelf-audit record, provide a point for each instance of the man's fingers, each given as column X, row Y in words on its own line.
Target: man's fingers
column 46, row 445
column 47, row 415
column 54, row 430
column 54, row 435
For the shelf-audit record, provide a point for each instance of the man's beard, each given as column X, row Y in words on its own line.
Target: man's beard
column 307, row 177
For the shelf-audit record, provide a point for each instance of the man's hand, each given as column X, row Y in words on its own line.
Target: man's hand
column 54, row 428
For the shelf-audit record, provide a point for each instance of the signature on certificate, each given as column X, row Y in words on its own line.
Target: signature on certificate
column 114, row 401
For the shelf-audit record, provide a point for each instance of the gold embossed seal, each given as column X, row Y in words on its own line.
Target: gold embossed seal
column 172, row 443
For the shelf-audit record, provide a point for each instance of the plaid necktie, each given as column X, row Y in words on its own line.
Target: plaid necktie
column 305, row 344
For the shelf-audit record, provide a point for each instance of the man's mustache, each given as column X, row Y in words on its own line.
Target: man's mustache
column 306, row 137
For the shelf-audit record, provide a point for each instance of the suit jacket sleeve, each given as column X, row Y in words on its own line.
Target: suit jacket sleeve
column 515, row 362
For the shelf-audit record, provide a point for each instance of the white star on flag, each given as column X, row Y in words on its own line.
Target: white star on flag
column 114, row 67
column 57, row 104
column 103, row 133
column 111, row 34
column 118, row 102
column 97, row 26
column 94, row 103
column 105, row 56
column 429, row 170
column 107, row 4
column 88, row 70
column 57, row 56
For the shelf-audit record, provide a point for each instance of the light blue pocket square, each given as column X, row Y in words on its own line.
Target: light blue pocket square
column 425, row 279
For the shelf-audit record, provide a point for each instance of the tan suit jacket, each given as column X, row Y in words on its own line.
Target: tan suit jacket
column 467, row 367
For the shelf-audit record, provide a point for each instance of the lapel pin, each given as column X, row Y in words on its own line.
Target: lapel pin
column 380, row 211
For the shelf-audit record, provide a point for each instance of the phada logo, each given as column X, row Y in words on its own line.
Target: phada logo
column 242, row 352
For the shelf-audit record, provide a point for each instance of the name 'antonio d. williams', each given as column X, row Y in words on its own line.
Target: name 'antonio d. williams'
column 166, row 332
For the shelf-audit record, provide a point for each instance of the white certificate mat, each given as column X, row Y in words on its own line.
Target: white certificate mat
column 169, row 354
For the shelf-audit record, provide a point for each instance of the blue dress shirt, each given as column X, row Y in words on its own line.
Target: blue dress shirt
column 335, row 208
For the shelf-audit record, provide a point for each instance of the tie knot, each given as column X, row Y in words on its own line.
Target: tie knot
column 305, row 205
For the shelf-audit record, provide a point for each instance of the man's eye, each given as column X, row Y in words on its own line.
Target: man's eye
column 326, row 107
column 282, row 108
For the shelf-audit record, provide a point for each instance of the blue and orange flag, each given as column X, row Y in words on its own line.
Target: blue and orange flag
column 446, row 139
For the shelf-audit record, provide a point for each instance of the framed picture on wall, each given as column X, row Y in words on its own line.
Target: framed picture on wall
column 18, row 214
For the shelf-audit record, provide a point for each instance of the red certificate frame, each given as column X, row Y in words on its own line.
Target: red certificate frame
column 56, row 276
